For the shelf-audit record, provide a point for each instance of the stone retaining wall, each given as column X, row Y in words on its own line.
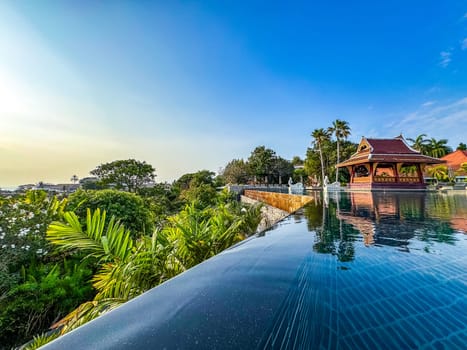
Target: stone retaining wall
column 269, row 215
column 283, row 201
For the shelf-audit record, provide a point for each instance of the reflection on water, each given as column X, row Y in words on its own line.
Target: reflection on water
column 374, row 295
column 402, row 220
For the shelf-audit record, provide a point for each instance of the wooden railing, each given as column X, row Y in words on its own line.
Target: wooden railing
column 410, row 179
column 365, row 179
column 384, row 179
column 387, row 179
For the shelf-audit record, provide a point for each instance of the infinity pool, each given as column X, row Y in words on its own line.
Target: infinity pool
column 349, row 271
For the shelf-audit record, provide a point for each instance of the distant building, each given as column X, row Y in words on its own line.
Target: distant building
column 454, row 161
column 22, row 188
column 387, row 164
column 57, row 188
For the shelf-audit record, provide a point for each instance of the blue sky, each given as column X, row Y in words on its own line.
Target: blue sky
column 190, row 85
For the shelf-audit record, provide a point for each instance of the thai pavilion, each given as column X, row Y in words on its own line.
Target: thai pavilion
column 387, row 164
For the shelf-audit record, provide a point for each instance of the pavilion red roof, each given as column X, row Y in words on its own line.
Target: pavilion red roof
column 394, row 150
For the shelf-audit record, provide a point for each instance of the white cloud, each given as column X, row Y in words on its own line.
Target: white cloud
column 445, row 58
column 464, row 44
column 428, row 103
column 443, row 120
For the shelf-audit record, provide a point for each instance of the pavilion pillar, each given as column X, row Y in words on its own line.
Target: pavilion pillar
column 420, row 173
column 371, row 173
column 351, row 172
column 396, row 171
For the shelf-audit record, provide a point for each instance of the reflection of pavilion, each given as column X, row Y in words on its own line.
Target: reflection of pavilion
column 385, row 218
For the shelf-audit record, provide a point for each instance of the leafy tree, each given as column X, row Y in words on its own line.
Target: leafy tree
column 74, row 179
column 281, row 169
column 236, row 172
column 462, row 147
column 199, row 187
column 130, row 208
column 319, row 137
column 130, row 174
column 296, row 160
column 313, row 162
column 162, row 200
column 202, row 195
column 194, row 179
column 261, row 161
column 341, row 130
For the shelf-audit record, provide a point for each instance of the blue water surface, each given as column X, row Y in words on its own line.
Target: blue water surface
column 348, row 271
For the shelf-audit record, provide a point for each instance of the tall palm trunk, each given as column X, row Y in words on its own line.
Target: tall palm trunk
column 322, row 163
column 338, row 161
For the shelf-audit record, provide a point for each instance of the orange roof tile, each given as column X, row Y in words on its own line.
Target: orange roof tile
column 455, row 159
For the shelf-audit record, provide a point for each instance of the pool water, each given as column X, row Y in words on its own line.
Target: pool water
column 348, row 271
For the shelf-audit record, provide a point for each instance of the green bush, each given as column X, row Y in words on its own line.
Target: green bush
column 46, row 293
column 127, row 207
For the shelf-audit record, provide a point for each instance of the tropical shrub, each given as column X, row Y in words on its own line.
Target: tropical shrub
column 47, row 292
column 129, row 208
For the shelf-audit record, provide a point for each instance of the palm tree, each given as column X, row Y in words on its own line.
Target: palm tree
column 320, row 136
column 126, row 267
column 439, row 172
column 74, row 179
column 439, row 148
column 341, row 130
column 420, row 143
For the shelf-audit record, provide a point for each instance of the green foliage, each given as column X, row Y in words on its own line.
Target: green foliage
column 130, row 175
column 162, row 200
column 46, row 292
column 264, row 165
column 198, row 234
column 328, row 147
column 321, row 136
column 462, row 147
column 438, row 148
column 236, row 172
column 129, row 267
column 132, row 211
column 126, row 268
column 41, row 340
column 204, row 195
column 260, row 162
column 105, row 242
column 430, row 147
column 296, row 160
column 439, row 172
column 463, row 168
column 341, row 130
column 199, row 187
column 23, row 222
